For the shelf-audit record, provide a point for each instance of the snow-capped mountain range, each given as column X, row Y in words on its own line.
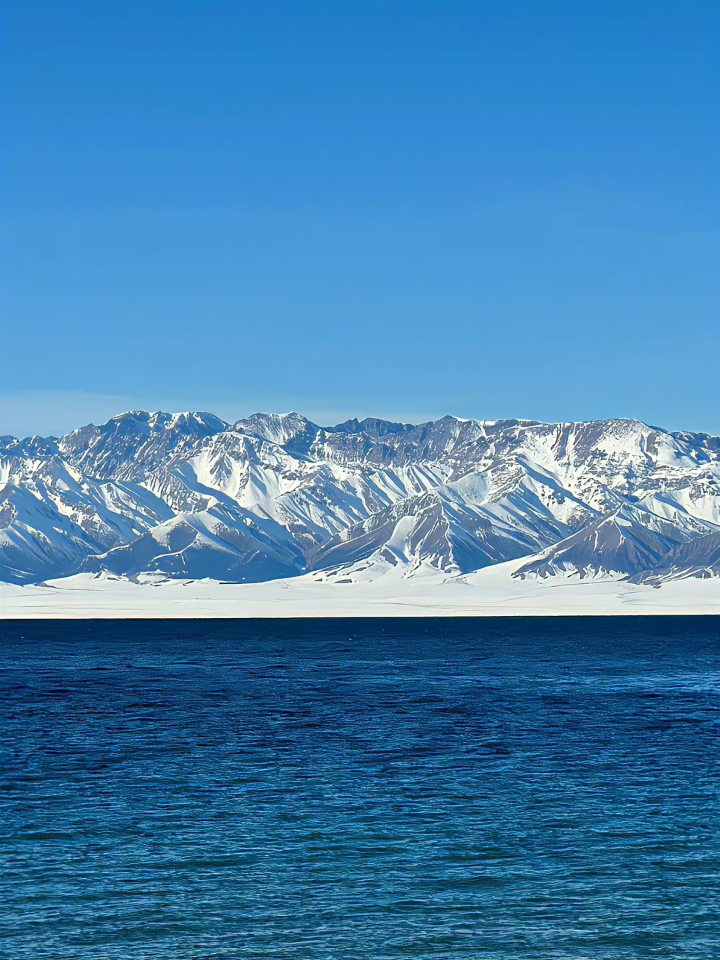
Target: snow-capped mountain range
column 190, row 496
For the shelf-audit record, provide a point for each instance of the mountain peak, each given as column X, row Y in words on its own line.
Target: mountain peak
column 281, row 428
column 131, row 444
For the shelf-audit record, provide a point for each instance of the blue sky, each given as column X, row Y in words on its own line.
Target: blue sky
column 400, row 209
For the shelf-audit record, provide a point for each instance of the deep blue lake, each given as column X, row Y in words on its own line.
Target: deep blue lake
column 360, row 789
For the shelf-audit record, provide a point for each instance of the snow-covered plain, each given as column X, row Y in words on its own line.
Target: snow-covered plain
column 488, row 592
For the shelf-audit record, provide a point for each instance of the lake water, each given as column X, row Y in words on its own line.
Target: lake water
column 360, row 789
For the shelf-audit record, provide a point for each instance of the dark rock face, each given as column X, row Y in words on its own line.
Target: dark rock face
column 698, row 558
column 624, row 543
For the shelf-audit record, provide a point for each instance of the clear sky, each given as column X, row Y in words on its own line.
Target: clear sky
column 397, row 208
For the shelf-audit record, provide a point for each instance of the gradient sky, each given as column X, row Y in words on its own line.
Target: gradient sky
column 397, row 208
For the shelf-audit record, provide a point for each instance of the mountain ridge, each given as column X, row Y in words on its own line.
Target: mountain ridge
column 607, row 498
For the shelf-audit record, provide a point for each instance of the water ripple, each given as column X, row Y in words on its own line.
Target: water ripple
column 360, row 789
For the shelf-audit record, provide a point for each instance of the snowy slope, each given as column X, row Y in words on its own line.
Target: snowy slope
column 36, row 541
column 219, row 543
